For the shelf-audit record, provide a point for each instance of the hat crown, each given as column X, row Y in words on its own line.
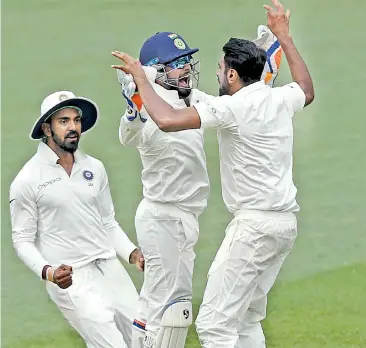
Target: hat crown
column 55, row 98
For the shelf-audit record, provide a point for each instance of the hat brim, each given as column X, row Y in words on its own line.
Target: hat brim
column 179, row 54
column 90, row 115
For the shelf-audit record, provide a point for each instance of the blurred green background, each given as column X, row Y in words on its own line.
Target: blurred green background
column 49, row 45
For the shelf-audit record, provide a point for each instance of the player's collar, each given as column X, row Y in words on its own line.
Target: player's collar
column 48, row 155
column 252, row 87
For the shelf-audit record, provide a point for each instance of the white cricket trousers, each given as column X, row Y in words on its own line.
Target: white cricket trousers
column 166, row 236
column 100, row 304
column 243, row 272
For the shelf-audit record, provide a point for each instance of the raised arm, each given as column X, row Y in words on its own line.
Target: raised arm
column 166, row 118
column 278, row 22
column 132, row 125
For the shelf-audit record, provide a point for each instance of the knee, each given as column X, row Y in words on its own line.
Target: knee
column 214, row 324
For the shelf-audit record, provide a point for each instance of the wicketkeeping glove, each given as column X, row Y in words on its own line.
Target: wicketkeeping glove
column 133, row 99
column 129, row 92
column 267, row 41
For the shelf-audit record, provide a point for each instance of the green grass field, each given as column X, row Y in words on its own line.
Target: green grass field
column 319, row 299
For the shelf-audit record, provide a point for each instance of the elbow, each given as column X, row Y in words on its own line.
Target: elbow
column 308, row 89
column 164, row 125
column 167, row 124
column 20, row 239
column 309, row 97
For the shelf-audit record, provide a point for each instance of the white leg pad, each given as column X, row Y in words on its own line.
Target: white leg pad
column 174, row 325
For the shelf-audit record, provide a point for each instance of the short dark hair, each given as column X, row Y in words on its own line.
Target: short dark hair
column 246, row 58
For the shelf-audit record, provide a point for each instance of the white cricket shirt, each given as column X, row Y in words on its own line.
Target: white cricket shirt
column 255, row 135
column 60, row 219
column 174, row 164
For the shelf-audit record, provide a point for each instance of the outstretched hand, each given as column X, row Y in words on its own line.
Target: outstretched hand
column 131, row 66
column 277, row 19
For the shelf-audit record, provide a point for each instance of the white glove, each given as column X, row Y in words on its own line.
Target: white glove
column 267, row 41
column 128, row 87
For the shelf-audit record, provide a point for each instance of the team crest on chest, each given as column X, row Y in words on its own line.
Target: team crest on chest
column 88, row 175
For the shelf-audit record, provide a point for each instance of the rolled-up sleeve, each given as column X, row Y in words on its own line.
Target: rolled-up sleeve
column 120, row 241
column 24, row 219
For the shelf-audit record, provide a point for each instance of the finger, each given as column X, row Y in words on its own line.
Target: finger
column 277, row 4
column 65, row 267
column 61, row 274
column 118, row 54
column 63, row 279
column 288, row 13
column 65, row 285
column 121, row 67
column 123, row 56
column 268, row 8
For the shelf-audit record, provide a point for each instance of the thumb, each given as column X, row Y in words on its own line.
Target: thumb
column 121, row 67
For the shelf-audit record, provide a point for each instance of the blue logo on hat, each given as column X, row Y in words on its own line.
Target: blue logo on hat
column 88, row 175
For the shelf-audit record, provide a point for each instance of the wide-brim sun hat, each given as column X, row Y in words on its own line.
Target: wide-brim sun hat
column 64, row 99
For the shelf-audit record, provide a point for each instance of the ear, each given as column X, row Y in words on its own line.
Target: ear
column 46, row 127
column 232, row 75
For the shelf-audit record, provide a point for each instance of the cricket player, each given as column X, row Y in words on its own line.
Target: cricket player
column 64, row 226
column 255, row 134
column 175, row 189
column 175, row 186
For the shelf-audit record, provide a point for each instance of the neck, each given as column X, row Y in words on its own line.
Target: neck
column 239, row 85
column 65, row 156
column 236, row 87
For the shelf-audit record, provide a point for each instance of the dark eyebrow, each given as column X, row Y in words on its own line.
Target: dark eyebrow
column 66, row 118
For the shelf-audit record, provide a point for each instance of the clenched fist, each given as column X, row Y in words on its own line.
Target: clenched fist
column 61, row 276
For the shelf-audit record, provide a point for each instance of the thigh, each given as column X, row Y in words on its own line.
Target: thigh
column 278, row 239
column 87, row 309
column 118, row 286
column 232, row 277
column 167, row 241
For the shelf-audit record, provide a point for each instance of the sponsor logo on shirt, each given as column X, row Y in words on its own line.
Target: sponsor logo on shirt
column 47, row 183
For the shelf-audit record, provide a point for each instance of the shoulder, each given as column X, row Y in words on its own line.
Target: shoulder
column 27, row 174
column 93, row 163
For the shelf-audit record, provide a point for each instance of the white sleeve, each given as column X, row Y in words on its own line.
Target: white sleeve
column 197, row 96
column 294, row 96
column 215, row 113
column 133, row 133
column 24, row 218
column 120, row 241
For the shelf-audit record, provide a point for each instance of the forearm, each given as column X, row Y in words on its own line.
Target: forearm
column 166, row 117
column 29, row 254
column 299, row 71
column 130, row 132
column 121, row 243
column 160, row 111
